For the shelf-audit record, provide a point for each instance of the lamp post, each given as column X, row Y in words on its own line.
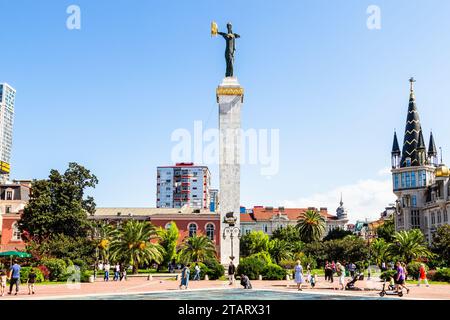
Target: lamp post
column 232, row 230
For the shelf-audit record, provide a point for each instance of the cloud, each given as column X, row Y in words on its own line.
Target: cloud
column 385, row 171
column 363, row 199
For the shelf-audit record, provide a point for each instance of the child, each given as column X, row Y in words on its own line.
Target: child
column 3, row 282
column 31, row 280
column 313, row 280
column 391, row 284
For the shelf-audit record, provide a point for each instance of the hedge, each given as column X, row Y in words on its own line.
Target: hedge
column 441, row 275
column 274, row 272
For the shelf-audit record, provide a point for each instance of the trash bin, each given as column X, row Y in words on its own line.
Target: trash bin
column 91, row 279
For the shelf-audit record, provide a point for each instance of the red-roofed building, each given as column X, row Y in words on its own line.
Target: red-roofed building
column 268, row 219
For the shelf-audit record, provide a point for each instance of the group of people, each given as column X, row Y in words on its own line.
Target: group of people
column 120, row 272
column 14, row 279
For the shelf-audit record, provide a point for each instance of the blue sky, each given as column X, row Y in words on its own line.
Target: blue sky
column 109, row 95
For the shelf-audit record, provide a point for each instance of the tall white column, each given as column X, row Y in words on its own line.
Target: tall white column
column 230, row 98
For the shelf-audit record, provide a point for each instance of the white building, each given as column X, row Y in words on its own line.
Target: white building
column 7, row 99
column 269, row 219
column 183, row 185
column 421, row 184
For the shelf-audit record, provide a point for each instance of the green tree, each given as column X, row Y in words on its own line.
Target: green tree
column 288, row 233
column 57, row 205
column 197, row 249
column 168, row 240
column 280, row 250
column 409, row 245
column 132, row 243
column 386, row 230
column 337, row 233
column 103, row 233
column 311, row 226
column 254, row 242
column 441, row 244
column 379, row 251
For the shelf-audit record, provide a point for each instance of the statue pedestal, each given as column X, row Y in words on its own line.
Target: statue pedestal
column 230, row 97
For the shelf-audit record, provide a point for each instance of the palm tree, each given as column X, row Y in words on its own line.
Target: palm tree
column 409, row 245
column 311, row 226
column 280, row 250
column 197, row 249
column 168, row 240
column 132, row 244
column 379, row 249
column 103, row 233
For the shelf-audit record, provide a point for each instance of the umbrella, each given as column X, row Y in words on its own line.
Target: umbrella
column 15, row 254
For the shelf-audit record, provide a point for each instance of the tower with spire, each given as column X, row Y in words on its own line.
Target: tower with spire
column 420, row 183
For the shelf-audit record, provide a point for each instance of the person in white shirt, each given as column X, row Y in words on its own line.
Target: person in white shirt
column 197, row 272
column 107, row 268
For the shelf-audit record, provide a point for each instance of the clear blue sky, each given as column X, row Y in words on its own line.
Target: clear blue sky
column 109, row 95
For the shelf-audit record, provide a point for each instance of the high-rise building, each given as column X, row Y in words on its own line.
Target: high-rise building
column 420, row 182
column 7, row 99
column 183, row 184
column 214, row 200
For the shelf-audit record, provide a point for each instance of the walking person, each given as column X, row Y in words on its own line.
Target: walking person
column 31, row 281
column 333, row 271
column 123, row 273
column 231, row 271
column 15, row 278
column 116, row 272
column 3, row 278
column 313, row 281
column 308, row 273
column 197, row 272
column 107, row 269
column 327, row 270
column 185, row 272
column 299, row 275
column 351, row 269
column 422, row 275
column 340, row 271
column 400, row 278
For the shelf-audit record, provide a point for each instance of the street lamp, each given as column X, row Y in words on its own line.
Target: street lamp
column 232, row 230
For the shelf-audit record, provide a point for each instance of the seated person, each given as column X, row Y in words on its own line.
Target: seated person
column 245, row 282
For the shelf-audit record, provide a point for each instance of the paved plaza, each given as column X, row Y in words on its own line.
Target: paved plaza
column 141, row 285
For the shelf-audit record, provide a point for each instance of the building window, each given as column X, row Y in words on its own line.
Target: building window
column 403, row 180
column 413, row 179
column 9, row 195
column 210, row 231
column 445, row 216
column 16, row 236
column 408, row 162
column 192, row 230
column 414, row 201
column 8, row 209
column 415, row 219
column 422, row 178
column 167, row 226
column 433, row 219
column 439, row 217
column 265, row 228
column 396, row 181
column 408, row 180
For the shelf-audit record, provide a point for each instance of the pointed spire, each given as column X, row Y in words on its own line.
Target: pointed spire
column 411, row 89
column 432, row 151
column 341, row 203
column 395, row 147
column 413, row 131
column 421, row 143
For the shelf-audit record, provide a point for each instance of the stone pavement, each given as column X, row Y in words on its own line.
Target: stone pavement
column 141, row 285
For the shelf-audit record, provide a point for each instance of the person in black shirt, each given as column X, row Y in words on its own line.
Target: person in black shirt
column 31, row 281
column 245, row 282
column 231, row 271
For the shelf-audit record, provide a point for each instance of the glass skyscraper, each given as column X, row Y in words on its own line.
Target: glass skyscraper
column 7, row 99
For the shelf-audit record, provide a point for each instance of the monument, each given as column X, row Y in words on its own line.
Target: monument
column 230, row 97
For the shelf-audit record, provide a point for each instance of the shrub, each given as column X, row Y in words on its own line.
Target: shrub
column 203, row 270
column 215, row 269
column 25, row 271
column 413, row 269
column 442, row 275
column 274, row 272
column 386, row 275
column 254, row 265
column 45, row 272
column 57, row 268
